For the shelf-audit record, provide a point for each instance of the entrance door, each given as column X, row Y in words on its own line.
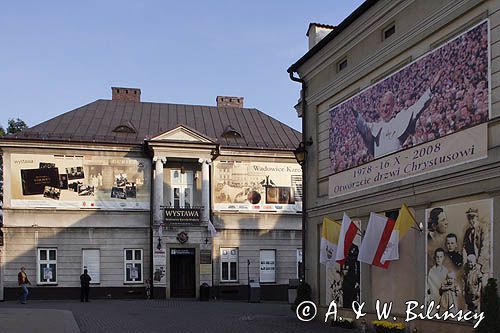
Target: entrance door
column 182, row 273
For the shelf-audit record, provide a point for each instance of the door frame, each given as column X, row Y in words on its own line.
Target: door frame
column 196, row 248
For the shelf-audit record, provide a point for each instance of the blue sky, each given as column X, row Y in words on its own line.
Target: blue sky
column 58, row 55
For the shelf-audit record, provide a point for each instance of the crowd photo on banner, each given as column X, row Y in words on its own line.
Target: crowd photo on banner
column 439, row 94
column 458, row 254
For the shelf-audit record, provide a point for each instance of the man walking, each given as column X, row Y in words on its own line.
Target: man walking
column 85, row 286
column 23, row 282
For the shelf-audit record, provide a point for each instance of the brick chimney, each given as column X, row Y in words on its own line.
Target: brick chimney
column 126, row 94
column 230, row 101
column 317, row 32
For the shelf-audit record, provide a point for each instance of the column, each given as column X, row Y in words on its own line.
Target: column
column 158, row 189
column 205, row 188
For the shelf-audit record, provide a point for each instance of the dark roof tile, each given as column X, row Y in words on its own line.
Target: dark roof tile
column 96, row 122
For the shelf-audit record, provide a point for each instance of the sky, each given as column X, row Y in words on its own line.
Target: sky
column 56, row 56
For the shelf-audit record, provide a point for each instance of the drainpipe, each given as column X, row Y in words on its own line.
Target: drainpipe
column 151, row 207
column 304, row 187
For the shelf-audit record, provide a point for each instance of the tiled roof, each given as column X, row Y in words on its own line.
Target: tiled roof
column 96, row 122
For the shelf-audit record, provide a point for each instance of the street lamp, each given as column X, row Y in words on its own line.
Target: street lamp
column 300, row 152
column 300, row 155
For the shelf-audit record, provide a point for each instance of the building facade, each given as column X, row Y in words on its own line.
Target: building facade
column 400, row 101
column 138, row 193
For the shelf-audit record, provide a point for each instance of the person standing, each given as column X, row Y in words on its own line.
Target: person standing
column 23, row 281
column 436, row 276
column 85, row 286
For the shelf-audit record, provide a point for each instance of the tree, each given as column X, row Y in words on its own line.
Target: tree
column 490, row 304
column 16, row 126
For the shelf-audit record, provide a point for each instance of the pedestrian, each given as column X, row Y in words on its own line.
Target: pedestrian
column 23, row 281
column 85, row 286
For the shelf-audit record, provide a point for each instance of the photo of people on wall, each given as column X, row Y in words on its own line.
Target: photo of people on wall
column 52, row 192
column 458, row 254
column 439, row 94
column 75, row 173
column 257, row 184
column 63, row 181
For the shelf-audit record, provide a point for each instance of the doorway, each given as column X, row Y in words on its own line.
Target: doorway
column 182, row 273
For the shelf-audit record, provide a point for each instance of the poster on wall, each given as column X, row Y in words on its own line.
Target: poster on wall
column 430, row 115
column 257, row 186
column 459, row 254
column 267, row 266
column 91, row 259
column 78, row 182
column 343, row 281
column 160, row 267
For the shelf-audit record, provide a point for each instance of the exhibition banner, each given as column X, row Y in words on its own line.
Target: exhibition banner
column 459, row 254
column 159, row 268
column 79, row 182
column 462, row 147
column 257, row 186
column 436, row 97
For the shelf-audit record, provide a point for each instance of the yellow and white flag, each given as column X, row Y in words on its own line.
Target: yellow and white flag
column 329, row 242
column 403, row 223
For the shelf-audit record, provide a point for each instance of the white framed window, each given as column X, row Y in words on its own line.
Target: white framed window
column 267, row 266
column 46, row 266
column 133, row 267
column 182, row 188
column 229, row 264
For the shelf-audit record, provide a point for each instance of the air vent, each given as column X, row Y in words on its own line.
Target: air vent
column 230, row 132
column 125, row 128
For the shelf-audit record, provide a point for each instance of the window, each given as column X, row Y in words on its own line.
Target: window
column 268, row 266
column 47, row 266
column 229, row 264
column 389, row 31
column 341, row 65
column 133, row 266
column 182, row 188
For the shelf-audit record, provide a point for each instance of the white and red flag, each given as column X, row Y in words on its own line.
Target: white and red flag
column 377, row 247
column 348, row 233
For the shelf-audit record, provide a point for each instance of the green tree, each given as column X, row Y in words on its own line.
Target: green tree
column 16, row 126
column 490, row 304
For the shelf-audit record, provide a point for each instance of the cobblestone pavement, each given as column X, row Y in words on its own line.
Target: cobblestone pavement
column 179, row 316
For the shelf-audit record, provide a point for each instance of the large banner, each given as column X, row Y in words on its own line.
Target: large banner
column 257, row 186
column 77, row 182
column 427, row 104
column 459, row 254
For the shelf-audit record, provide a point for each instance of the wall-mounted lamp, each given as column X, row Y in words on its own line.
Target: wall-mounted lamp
column 300, row 152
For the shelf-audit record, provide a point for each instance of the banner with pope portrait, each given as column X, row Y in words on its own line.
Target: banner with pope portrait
column 411, row 122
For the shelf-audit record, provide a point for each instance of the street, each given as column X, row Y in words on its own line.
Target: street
column 153, row 316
